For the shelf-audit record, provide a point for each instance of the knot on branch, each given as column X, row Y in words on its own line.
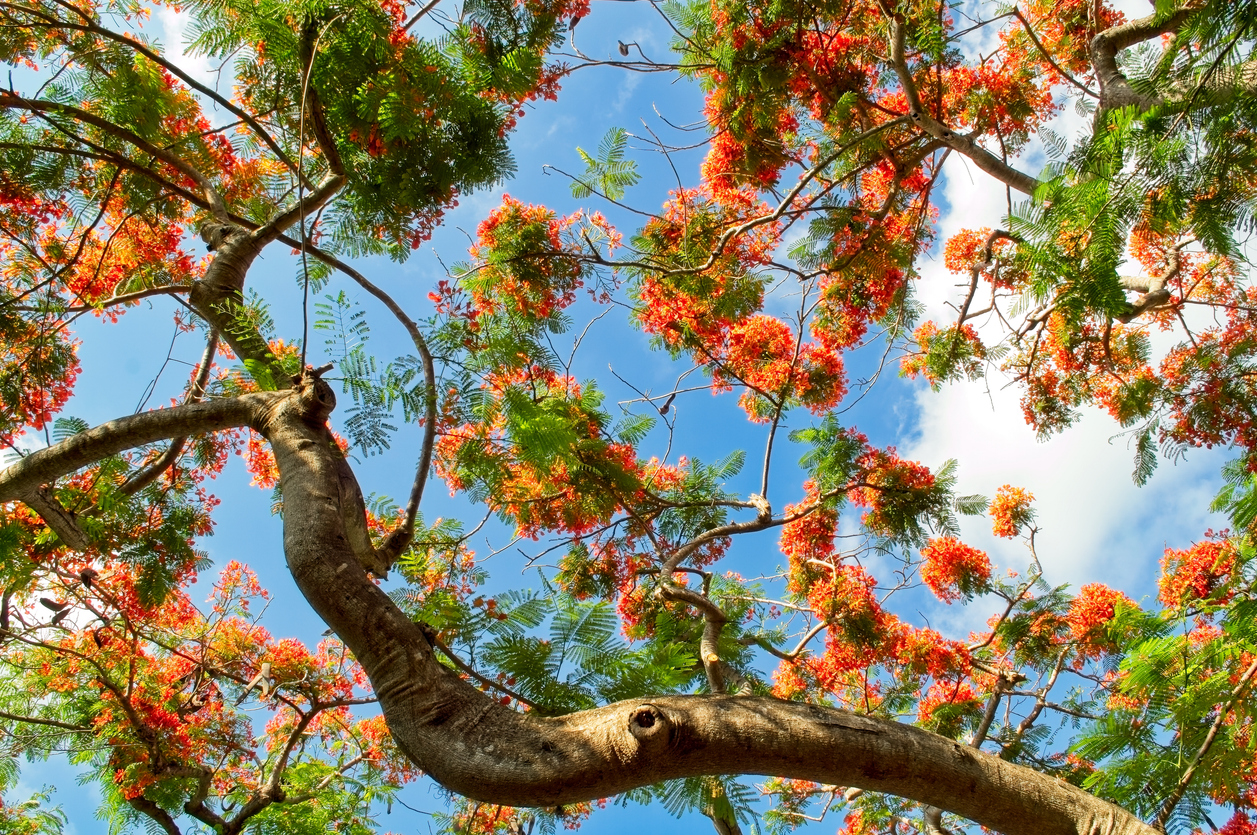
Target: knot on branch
column 216, row 234
column 316, row 397
column 649, row 725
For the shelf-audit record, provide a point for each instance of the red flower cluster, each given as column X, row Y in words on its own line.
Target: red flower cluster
column 1089, row 616
column 1197, row 574
column 1010, row 511
column 954, row 570
column 525, row 266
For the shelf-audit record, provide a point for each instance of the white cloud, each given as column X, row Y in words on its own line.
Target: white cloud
column 1096, row 525
column 630, row 84
column 174, row 37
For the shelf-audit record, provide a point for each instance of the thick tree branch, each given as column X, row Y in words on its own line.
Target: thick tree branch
column 60, row 520
column 1115, row 90
column 714, row 620
column 85, row 448
column 479, row 748
column 195, row 805
column 156, row 813
column 309, row 204
column 1155, row 289
column 399, row 538
column 218, row 297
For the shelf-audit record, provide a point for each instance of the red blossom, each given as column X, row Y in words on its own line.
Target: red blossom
column 953, row 570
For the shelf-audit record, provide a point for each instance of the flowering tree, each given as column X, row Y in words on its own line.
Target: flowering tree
column 633, row 669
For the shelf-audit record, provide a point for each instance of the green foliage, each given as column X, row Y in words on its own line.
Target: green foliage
column 831, row 458
column 1183, row 702
column 377, row 394
column 1238, row 496
column 33, row 816
column 563, row 654
column 67, row 427
column 415, row 121
column 721, row 798
column 609, row 173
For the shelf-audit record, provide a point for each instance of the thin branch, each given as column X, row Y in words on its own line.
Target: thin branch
column 1237, row 692
column 127, row 298
column 965, row 144
column 1048, row 57
column 196, row 393
column 212, row 197
column 975, row 272
column 438, row 644
column 131, row 43
column 34, row 720
column 419, row 14
column 799, row 647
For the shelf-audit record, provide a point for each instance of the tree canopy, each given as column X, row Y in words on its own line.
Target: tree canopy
column 633, row 665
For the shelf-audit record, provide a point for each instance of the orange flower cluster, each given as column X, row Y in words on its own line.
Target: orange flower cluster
column 890, row 487
column 954, row 570
column 1010, row 511
column 811, row 535
column 573, row 490
column 943, row 356
column 763, row 354
column 1239, row 824
column 945, row 693
column 1197, row 574
column 1089, row 616
column 963, row 251
column 525, row 264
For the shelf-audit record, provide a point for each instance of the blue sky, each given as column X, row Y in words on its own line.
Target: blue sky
column 1096, row 524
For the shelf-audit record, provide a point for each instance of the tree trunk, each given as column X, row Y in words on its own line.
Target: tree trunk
column 471, row 744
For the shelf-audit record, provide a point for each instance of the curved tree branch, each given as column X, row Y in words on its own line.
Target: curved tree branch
column 130, row 42
column 1115, row 90
column 399, row 538
column 212, row 197
column 85, row 448
column 474, row 746
column 964, row 144
column 156, row 813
